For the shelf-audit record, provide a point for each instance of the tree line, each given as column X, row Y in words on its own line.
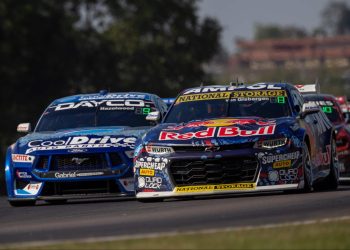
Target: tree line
column 50, row 49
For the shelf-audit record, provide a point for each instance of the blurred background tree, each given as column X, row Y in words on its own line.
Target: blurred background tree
column 272, row 31
column 336, row 18
column 50, row 49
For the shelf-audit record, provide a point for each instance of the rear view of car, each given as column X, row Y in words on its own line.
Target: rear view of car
column 82, row 147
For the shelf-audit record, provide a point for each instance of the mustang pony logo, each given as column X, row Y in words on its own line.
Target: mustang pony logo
column 79, row 161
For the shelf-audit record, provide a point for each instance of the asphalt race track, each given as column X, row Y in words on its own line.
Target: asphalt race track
column 120, row 217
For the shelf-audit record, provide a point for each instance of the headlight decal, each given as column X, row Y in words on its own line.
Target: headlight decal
column 271, row 143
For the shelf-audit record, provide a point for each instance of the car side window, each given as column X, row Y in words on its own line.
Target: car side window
column 161, row 106
column 298, row 100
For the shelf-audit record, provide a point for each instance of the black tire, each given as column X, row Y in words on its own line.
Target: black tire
column 331, row 182
column 24, row 203
column 150, row 200
column 307, row 172
column 56, row 202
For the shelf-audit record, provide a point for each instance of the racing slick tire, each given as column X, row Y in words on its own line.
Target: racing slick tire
column 331, row 182
column 25, row 203
column 307, row 172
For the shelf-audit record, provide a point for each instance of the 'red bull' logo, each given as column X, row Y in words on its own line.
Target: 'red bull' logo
column 222, row 123
column 221, row 132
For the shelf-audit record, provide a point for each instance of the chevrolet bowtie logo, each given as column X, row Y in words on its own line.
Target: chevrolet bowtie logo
column 79, row 161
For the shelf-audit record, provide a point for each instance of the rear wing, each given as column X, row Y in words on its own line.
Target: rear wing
column 309, row 88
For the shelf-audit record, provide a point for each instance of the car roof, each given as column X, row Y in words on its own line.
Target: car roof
column 211, row 88
column 320, row 97
column 104, row 95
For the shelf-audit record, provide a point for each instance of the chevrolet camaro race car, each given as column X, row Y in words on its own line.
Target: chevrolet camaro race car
column 82, row 147
column 226, row 139
column 333, row 111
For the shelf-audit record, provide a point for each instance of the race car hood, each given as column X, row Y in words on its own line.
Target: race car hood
column 222, row 131
column 79, row 140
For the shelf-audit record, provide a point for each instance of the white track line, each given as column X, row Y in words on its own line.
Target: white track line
column 173, row 233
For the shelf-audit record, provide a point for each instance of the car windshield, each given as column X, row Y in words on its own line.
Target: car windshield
column 329, row 107
column 236, row 104
column 130, row 113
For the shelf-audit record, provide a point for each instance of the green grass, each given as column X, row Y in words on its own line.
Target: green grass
column 330, row 235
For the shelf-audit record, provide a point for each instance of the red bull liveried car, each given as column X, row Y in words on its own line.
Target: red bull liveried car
column 228, row 139
column 330, row 107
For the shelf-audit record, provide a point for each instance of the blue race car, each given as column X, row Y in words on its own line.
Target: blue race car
column 226, row 139
column 82, row 147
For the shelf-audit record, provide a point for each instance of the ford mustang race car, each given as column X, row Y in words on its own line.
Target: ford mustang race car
column 82, row 147
column 226, row 139
column 333, row 111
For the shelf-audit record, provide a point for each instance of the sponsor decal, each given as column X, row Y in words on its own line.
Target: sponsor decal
column 22, row 158
column 229, row 88
column 321, row 103
column 30, row 189
column 159, row 150
column 282, row 164
column 258, row 93
column 146, row 172
column 150, row 182
column 219, row 187
column 222, row 123
column 267, row 159
column 273, row 143
column 128, row 184
column 81, row 142
column 323, row 158
column 323, row 123
column 129, row 153
column 273, row 176
column 107, row 104
column 77, row 150
column 202, row 97
column 23, row 174
column 343, row 153
column 209, row 90
column 155, row 163
column 60, row 175
column 288, row 174
column 222, row 132
column 112, row 96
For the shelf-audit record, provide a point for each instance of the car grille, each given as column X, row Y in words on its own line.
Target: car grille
column 181, row 149
column 80, row 187
column 214, row 171
column 78, row 162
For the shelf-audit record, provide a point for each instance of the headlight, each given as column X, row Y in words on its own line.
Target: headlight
column 272, row 143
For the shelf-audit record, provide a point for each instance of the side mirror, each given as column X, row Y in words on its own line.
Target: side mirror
column 24, row 128
column 309, row 108
column 153, row 116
